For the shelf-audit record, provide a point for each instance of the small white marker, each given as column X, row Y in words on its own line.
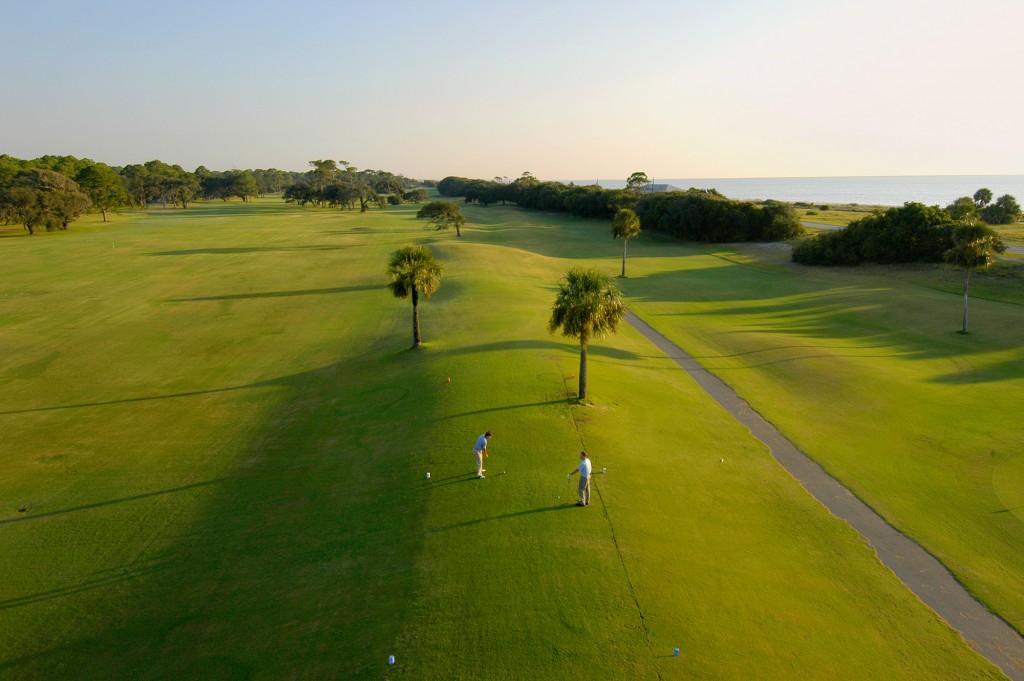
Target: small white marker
column 604, row 470
column 428, row 475
column 722, row 460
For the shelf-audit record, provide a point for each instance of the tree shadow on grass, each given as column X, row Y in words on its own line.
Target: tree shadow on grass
column 299, row 561
column 282, row 294
column 248, row 249
column 504, row 516
column 28, row 515
column 147, row 398
column 516, row 345
column 508, row 407
column 104, row 579
column 854, row 317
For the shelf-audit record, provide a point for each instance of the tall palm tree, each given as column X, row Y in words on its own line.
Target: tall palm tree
column 414, row 270
column 974, row 247
column 588, row 305
column 625, row 226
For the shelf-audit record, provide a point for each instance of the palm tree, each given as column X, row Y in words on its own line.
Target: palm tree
column 588, row 304
column 625, row 226
column 414, row 270
column 974, row 247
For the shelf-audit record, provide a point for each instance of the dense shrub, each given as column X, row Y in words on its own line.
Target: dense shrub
column 417, row 195
column 911, row 233
column 699, row 215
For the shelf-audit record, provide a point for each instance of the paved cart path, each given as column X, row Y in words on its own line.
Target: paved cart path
column 988, row 634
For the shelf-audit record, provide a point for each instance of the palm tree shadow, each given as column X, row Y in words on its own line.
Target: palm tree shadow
column 505, row 408
column 117, row 577
column 100, row 504
column 571, row 348
column 504, row 516
column 129, row 400
column 281, row 294
column 247, row 249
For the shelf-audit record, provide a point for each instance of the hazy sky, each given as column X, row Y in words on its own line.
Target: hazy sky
column 583, row 89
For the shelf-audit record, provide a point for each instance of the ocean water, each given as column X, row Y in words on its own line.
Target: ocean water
column 931, row 190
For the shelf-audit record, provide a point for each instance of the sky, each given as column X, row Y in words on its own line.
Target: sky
column 564, row 89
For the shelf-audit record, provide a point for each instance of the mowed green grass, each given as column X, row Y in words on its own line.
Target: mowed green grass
column 222, row 440
column 864, row 370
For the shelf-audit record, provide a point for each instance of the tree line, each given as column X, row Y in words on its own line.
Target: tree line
column 50, row 192
column 1004, row 211
column 339, row 184
column 694, row 214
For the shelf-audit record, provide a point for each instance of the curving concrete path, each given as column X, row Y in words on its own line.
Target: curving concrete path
column 986, row 633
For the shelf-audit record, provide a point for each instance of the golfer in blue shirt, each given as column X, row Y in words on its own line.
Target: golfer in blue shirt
column 479, row 452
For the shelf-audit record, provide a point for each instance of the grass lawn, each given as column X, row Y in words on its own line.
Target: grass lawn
column 839, row 215
column 220, row 439
column 862, row 368
column 1012, row 234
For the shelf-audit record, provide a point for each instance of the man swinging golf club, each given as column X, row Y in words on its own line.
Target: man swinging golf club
column 480, row 452
column 584, row 469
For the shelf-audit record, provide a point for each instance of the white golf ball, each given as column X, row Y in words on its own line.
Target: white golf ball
column 722, row 460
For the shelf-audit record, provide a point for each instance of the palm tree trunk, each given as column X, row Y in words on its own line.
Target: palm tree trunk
column 624, row 242
column 583, row 370
column 967, row 283
column 416, row 341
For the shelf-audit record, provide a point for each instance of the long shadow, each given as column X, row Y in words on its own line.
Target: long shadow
column 856, row 313
column 297, row 561
column 368, row 230
column 504, row 516
column 122, row 575
column 505, row 408
column 992, row 373
column 505, row 346
column 281, row 294
column 790, row 347
column 100, row 504
column 556, row 235
column 251, row 249
column 455, row 480
column 149, row 398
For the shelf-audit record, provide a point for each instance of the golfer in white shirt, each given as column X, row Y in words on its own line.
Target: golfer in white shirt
column 584, row 469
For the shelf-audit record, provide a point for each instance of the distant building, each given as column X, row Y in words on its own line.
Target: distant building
column 655, row 188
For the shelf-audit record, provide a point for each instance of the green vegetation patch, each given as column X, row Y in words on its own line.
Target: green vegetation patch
column 220, row 439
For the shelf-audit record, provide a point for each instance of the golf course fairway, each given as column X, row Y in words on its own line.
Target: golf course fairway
column 217, row 439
